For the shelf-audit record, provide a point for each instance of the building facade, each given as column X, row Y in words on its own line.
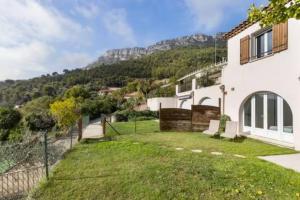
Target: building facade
column 259, row 87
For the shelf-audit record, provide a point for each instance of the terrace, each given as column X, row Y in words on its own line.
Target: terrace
column 205, row 77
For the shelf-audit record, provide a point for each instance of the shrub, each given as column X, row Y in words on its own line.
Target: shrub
column 143, row 118
column 127, row 115
column 39, row 121
column 9, row 118
column 223, row 120
column 4, row 134
column 15, row 135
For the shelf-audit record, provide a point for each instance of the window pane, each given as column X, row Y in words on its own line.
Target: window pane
column 287, row 118
column 259, row 111
column 247, row 113
column 272, row 112
column 270, row 42
column 260, row 46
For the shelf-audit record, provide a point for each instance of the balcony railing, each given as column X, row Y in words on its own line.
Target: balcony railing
column 184, row 87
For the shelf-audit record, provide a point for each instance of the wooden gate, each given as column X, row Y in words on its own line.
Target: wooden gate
column 197, row 119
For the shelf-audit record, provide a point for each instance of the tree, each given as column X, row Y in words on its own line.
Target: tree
column 39, row 121
column 66, row 112
column 66, row 71
column 277, row 12
column 9, row 118
column 77, row 92
column 49, row 90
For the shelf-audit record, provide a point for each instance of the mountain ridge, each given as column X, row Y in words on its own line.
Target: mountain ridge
column 116, row 55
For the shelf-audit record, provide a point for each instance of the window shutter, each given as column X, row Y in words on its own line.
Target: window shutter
column 280, row 37
column 244, row 50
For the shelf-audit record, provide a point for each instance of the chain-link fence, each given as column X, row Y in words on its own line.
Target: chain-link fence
column 23, row 165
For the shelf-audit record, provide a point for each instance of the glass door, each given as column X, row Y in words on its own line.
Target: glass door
column 268, row 115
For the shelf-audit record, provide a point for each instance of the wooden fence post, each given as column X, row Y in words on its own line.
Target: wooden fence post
column 159, row 116
column 80, row 125
column 104, row 125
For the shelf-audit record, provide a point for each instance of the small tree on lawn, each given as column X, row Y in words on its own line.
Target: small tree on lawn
column 65, row 112
column 278, row 11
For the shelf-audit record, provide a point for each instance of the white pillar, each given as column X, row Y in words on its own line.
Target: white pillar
column 194, row 84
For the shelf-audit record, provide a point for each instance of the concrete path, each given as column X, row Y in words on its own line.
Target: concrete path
column 93, row 130
column 291, row 161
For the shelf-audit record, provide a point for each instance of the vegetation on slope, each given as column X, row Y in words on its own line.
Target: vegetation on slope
column 160, row 65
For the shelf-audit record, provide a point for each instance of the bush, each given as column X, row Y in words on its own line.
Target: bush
column 127, row 115
column 15, row 135
column 9, row 118
column 39, row 121
column 4, row 134
column 143, row 118
column 223, row 120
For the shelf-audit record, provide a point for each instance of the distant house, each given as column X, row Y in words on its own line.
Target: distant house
column 258, row 86
column 107, row 91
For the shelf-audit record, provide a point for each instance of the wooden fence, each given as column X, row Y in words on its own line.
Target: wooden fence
column 175, row 119
column 19, row 183
column 196, row 119
column 201, row 116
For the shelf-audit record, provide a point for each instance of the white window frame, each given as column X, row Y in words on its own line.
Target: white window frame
column 278, row 134
column 253, row 45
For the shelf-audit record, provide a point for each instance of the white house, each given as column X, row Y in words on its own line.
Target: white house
column 154, row 104
column 259, row 87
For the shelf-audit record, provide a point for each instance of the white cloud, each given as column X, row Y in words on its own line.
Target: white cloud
column 209, row 15
column 31, row 36
column 75, row 59
column 87, row 10
column 23, row 59
column 115, row 21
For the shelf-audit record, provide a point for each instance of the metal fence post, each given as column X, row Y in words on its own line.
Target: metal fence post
column 135, row 123
column 46, row 154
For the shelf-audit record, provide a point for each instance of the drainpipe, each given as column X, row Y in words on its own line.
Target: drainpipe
column 222, row 88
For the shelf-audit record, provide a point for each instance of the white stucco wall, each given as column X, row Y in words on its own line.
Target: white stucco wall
column 212, row 92
column 166, row 102
column 278, row 73
column 210, row 95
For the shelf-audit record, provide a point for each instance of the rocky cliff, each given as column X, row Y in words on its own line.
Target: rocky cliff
column 116, row 55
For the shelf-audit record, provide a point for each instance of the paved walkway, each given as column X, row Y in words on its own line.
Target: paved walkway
column 291, row 161
column 93, row 130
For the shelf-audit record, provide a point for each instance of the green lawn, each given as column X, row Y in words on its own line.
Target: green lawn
column 146, row 165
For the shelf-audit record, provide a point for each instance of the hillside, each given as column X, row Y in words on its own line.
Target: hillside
column 162, row 64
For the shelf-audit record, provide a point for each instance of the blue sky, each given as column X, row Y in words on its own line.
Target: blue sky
column 45, row 36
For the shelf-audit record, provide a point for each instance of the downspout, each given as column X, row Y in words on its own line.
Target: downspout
column 222, row 88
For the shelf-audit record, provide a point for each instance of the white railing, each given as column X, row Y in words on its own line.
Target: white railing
column 217, row 66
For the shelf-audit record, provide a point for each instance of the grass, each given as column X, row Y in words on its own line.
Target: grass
column 146, row 165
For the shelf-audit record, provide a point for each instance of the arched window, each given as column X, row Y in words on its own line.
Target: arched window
column 269, row 115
